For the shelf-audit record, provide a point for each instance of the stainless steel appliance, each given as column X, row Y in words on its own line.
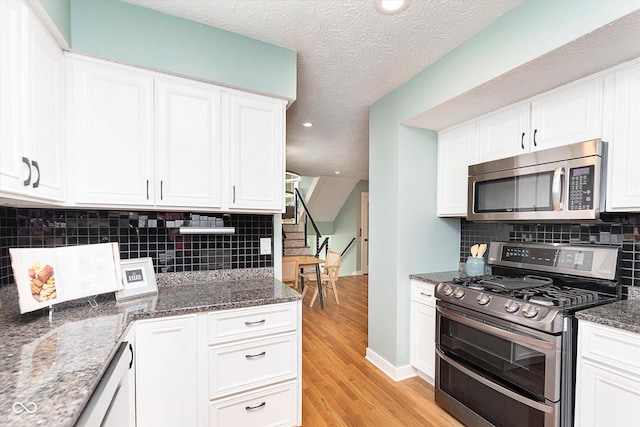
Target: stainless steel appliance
column 506, row 343
column 559, row 184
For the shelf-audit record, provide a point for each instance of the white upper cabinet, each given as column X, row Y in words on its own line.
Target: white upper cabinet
column 567, row 116
column 188, row 144
column 455, row 153
column 31, row 126
column 111, row 117
column 504, row 133
column 256, row 146
column 145, row 139
column 623, row 192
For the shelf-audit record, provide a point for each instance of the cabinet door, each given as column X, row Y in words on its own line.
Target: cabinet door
column 257, row 153
column 13, row 171
column 112, row 134
column 454, row 147
column 166, row 372
column 605, row 397
column 45, row 113
column 423, row 338
column 504, row 133
column 188, row 144
column 624, row 151
column 568, row 116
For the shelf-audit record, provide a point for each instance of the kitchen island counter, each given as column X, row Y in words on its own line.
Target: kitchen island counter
column 49, row 368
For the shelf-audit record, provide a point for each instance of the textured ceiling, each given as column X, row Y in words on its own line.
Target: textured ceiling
column 349, row 55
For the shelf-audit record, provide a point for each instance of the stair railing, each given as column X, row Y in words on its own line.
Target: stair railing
column 309, row 218
column 348, row 246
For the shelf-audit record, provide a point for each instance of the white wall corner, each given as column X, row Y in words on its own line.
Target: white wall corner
column 395, row 373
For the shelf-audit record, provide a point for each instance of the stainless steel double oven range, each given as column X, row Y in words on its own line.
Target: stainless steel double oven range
column 506, row 343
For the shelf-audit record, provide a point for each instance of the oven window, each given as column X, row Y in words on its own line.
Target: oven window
column 524, row 193
column 514, row 366
column 498, row 409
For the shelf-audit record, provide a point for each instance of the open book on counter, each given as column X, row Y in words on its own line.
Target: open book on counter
column 48, row 276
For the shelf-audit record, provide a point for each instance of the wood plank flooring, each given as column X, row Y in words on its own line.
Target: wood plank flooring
column 339, row 386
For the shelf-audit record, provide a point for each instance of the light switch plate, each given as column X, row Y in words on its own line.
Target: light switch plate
column 265, row 246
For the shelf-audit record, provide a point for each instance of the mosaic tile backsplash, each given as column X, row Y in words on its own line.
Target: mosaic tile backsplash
column 621, row 231
column 140, row 235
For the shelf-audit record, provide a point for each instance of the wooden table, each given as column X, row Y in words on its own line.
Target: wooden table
column 310, row 261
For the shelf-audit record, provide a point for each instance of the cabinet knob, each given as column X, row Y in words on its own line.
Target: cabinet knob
column 28, row 180
column 36, row 184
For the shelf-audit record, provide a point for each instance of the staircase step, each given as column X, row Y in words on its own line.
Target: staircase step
column 293, row 228
column 294, row 243
column 297, row 251
column 294, row 235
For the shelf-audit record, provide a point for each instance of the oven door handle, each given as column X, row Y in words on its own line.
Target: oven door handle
column 525, row 339
column 505, row 391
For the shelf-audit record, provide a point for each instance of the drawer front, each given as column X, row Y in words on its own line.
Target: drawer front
column 614, row 347
column 269, row 406
column 242, row 323
column 255, row 363
column 422, row 292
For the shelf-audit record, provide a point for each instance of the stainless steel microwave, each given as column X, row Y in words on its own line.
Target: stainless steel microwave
column 559, row 184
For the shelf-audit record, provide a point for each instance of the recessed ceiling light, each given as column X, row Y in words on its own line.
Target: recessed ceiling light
column 307, row 124
column 391, row 7
column 337, row 172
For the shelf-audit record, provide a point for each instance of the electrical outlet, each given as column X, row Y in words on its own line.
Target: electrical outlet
column 265, row 246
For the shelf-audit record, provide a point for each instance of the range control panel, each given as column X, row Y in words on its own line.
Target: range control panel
column 581, row 182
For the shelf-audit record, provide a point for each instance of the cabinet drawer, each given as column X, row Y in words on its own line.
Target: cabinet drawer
column 239, row 366
column 422, row 292
column 269, row 406
column 611, row 346
column 231, row 325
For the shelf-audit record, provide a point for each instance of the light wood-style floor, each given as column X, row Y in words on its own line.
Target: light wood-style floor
column 339, row 386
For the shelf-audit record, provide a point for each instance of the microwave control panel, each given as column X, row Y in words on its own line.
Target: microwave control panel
column 581, row 182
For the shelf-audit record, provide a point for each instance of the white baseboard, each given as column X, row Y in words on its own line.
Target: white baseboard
column 396, row 374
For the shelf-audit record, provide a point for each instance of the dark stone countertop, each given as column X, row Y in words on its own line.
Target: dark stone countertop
column 437, row 277
column 57, row 364
column 623, row 315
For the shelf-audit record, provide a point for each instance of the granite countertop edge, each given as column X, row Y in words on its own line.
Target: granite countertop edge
column 436, row 277
column 45, row 363
column 623, row 315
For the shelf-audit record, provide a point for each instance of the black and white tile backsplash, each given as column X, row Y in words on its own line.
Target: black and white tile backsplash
column 140, row 235
column 622, row 231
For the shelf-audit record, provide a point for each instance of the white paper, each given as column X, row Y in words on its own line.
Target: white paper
column 47, row 276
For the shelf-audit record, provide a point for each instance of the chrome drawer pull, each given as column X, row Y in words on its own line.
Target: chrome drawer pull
column 426, row 295
column 251, row 408
column 257, row 322
column 252, row 356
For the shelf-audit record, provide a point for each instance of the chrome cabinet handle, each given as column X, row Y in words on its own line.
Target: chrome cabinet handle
column 253, row 356
column 251, row 408
column 161, row 184
column 234, row 194
column 556, row 188
column 28, row 180
column 147, row 189
column 257, row 322
column 36, row 184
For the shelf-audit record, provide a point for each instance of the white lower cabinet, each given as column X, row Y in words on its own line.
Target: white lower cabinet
column 423, row 329
column 238, row 367
column 166, row 372
column 608, row 376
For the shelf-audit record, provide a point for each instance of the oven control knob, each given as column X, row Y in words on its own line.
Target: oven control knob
column 511, row 306
column 447, row 290
column 458, row 293
column 483, row 299
column 529, row 311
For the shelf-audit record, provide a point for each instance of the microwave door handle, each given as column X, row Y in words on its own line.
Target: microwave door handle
column 556, row 188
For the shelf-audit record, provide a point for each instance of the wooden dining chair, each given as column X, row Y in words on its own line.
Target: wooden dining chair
column 290, row 272
column 329, row 277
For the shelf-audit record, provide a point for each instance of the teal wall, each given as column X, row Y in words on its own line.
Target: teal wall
column 406, row 237
column 60, row 13
column 138, row 36
column 346, row 226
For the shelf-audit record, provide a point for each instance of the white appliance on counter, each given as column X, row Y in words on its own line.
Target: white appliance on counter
column 560, row 184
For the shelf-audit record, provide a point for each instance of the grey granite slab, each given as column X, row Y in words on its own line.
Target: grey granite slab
column 435, row 278
column 52, row 367
column 623, row 315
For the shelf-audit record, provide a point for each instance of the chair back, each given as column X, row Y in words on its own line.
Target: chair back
column 332, row 264
column 290, row 270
